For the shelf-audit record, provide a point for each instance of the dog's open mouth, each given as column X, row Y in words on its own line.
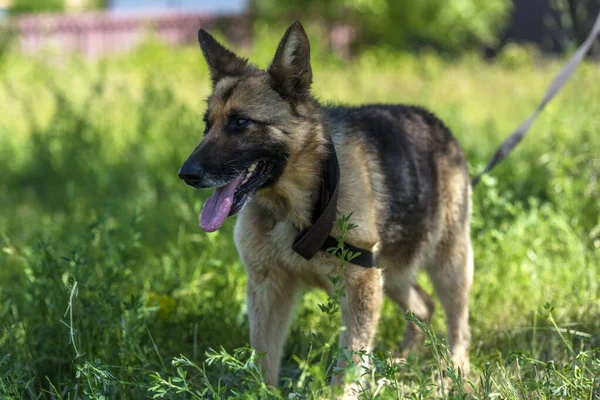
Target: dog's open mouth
column 228, row 200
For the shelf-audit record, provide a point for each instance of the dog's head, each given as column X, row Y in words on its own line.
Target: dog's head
column 251, row 119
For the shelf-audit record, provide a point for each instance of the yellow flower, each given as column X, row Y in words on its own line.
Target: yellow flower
column 166, row 304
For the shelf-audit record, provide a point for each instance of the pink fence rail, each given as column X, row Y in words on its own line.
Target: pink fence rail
column 99, row 33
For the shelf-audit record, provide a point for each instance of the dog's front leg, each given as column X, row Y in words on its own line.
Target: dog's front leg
column 361, row 307
column 271, row 293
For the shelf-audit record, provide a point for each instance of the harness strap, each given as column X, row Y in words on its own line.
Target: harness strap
column 317, row 237
column 365, row 259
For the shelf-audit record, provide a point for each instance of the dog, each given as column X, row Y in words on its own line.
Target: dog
column 403, row 176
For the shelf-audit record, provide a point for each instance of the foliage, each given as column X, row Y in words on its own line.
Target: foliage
column 109, row 290
column 6, row 39
column 449, row 25
column 33, row 6
column 573, row 21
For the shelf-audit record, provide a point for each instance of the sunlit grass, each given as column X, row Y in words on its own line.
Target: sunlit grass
column 90, row 196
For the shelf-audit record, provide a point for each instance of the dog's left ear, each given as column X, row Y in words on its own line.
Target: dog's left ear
column 290, row 69
column 221, row 61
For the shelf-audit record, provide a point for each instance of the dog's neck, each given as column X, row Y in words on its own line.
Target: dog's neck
column 294, row 195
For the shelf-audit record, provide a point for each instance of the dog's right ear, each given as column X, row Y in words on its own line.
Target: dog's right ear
column 221, row 61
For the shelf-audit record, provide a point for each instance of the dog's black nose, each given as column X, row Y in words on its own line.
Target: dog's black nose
column 189, row 174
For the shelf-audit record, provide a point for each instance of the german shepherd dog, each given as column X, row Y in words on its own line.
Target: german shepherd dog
column 404, row 178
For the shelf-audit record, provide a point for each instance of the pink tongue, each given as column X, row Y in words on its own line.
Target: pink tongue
column 217, row 207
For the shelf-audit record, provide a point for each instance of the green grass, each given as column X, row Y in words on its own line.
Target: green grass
column 109, row 289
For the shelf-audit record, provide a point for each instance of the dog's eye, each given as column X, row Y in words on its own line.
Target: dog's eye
column 240, row 122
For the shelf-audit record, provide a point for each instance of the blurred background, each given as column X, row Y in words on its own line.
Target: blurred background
column 108, row 287
column 97, row 27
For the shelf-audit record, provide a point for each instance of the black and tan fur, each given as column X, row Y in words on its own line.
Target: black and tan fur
column 403, row 176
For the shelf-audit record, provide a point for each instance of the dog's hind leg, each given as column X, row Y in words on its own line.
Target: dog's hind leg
column 271, row 294
column 401, row 288
column 452, row 277
column 361, row 307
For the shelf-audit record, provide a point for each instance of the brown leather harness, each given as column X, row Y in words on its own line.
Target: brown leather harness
column 317, row 237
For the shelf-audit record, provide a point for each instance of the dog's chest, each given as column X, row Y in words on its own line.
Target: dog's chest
column 262, row 246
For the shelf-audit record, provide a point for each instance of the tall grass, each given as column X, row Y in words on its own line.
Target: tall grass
column 108, row 289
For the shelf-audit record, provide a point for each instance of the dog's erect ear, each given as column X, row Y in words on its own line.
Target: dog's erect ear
column 221, row 62
column 290, row 69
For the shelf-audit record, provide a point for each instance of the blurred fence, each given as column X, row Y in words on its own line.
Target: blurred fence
column 99, row 33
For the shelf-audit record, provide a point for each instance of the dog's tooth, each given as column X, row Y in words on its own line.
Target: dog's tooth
column 244, row 181
column 252, row 167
